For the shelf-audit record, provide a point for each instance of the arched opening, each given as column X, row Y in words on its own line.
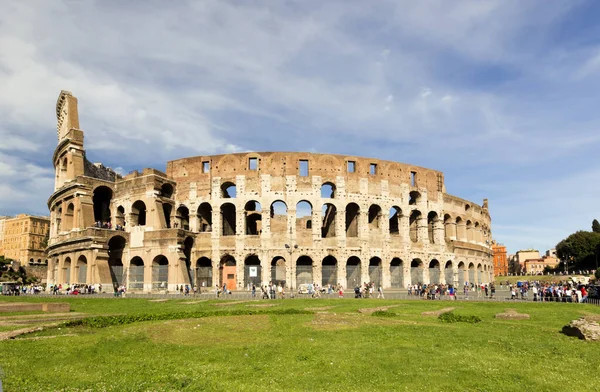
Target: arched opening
column 82, row 270
column 477, row 232
column 69, row 217
column 188, row 244
column 252, row 271
column 66, row 271
column 413, row 198
column 228, row 190
column 166, row 190
column 461, row 274
column 416, row 271
column 167, row 209
column 397, row 273
column 352, row 215
column 115, row 260
column 278, row 217
column 101, row 200
column 395, row 214
column 228, row 276
column 329, row 271
column 304, row 270
column 467, row 207
column 160, row 273
column 204, row 272
column 328, row 190
column 138, row 213
column 205, row 218
column 471, row 273
column 59, row 219
column 375, row 271
column 120, row 223
column 353, row 272
column 253, row 213
column 328, row 212
column 432, row 220
column 303, row 215
column 413, row 222
column 469, row 231
column 136, row 273
column 229, row 221
column 447, row 227
column 374, row 219
column 182, row 218
column 461, row 233
column 434, row 271
column 278, row 270
column 479, row 274
column 449, row 273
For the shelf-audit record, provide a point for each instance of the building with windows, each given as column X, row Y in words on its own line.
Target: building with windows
column 250, row 218
column 24, row 238
column 500, row 260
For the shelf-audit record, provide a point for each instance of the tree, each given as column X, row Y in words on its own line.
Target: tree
column 595, row 226
column 579, row 249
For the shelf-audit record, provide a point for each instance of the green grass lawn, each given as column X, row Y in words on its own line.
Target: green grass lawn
column 336, row 348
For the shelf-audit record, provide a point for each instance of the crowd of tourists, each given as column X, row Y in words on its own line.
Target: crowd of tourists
column 75, row 289
column 19, row 289
column 550, row 291
column 108, row 225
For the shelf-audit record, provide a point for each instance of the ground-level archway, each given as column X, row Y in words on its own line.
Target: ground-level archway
column 252, row 271
column 329, row 271
column 278, row 271
column 228, row 275
column 136, row 273
column 304, row 270
column 203, row 272
column 353, row 272
column 396, row 273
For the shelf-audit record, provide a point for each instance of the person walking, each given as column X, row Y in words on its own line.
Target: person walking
column 380, row 292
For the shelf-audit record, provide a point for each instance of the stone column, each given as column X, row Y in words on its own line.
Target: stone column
column 404, row 227
column 422, row 230
column 438, row 232
column 461, row 231
column 450, row 228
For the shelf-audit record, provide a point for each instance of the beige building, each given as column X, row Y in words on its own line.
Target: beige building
column 24, row 238
column 2, row 220
column 251, row 218
column 536, row 266
column 526, row 254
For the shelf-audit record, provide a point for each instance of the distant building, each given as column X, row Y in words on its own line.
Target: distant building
column 2, row 220
column 500, row 260
column 24, row 238
column 537, row 266
column 551, row 253
column 526, row 254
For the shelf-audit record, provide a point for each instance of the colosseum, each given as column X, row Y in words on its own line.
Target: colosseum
column 238, row 219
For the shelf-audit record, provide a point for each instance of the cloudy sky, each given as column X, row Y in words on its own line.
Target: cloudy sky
column 502, row 96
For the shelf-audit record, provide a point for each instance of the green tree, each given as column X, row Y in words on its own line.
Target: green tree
column 579, row 249
column 595, row 226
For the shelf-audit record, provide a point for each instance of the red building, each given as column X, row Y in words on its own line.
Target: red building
column 500, row 262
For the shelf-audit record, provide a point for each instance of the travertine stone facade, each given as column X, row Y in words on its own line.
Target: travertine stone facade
column 238, row 219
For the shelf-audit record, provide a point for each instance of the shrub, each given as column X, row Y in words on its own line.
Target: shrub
column 383, row 313
column 450, row 317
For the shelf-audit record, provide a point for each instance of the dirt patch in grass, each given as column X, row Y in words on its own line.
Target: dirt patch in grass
column 193, row 302
column 436, row 313
column 210, row 331
column 341, row 321
column 157, row 300
column 319, row 309
column 262, row 305
column 512, row 314
column 371, row 310
column 228, row 303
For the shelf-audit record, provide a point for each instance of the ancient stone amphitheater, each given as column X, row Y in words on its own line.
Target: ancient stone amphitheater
column 238, row 219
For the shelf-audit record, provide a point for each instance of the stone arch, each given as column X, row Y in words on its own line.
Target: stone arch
column 204, row 272
column 166, row 190
column 432, row 221
column 228, row 272
column 471, row 273
column 413, row 222
column 434, row 271
column 182, row 218
column 416, row 271
column 101, row 199
column 136, row 273
column 375, row 271
column 228, row 217
column 414, row 197
column 138, row 213
column 462, row 274
column 375, row 218
column 228, row 190
column 394, row 217
column 469, row 231
column 328, row 190
column 329, row 271
column 449, row 228
column 82, row 270
column 304, row 270
column 160, row 273
column 66, row 271
column 353, row 272
column 69, row 217
column 120, row 217
column 278, row 271
column 116, row 245
column 278, row 217
column 461, row 233
column 397, row 273
column 479, row 274
column 167, row 209
column 449, row 272
column 253, row 217
column 303, row 216
column 329, row 215
column 205, row 218
column 252, row 271
column 352, row 217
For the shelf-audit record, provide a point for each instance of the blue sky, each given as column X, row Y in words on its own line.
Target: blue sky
column 500, row 95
